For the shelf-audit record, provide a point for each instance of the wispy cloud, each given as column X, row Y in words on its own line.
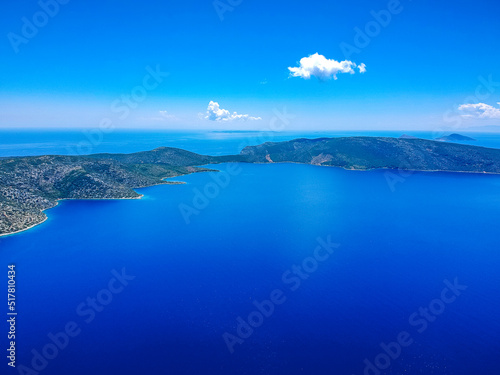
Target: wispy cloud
column 479, row 110
column 162, row 117
column 322, row 68
column 167, row 116
column 215, row 113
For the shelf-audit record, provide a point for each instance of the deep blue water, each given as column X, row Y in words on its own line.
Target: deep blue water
column 193, row 280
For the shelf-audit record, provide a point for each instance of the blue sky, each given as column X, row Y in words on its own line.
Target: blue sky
column 421, row 65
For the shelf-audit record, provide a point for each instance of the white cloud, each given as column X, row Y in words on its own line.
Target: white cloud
column 162, row 117
column 480, row 110
column 215, row 113
column 167, row 116
column 322, row 68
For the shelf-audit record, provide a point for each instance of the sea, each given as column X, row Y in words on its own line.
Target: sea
column 275, row 269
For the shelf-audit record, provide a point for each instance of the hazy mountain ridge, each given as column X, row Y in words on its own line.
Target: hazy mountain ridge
column 379, row 152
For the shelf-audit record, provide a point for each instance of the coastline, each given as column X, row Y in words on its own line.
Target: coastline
column 377, row 169
column 96, row 199
column 28, row 228
column 165, row 182
column 57, row 204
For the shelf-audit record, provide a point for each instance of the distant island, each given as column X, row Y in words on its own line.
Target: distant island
column 454, row 138
column 30, row 185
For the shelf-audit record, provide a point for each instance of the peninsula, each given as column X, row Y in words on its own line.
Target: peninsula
column 30, row 185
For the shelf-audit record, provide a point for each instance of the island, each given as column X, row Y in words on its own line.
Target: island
column 455, row 137
column 31, row 185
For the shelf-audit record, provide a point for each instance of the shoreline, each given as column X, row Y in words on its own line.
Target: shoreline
column 165, row 182
column 28, row 228
column 140, row 196
column 57, row 204
column 96, row 199
column 376, row 169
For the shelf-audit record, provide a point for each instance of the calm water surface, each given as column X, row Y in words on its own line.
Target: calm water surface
column 193, row 281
